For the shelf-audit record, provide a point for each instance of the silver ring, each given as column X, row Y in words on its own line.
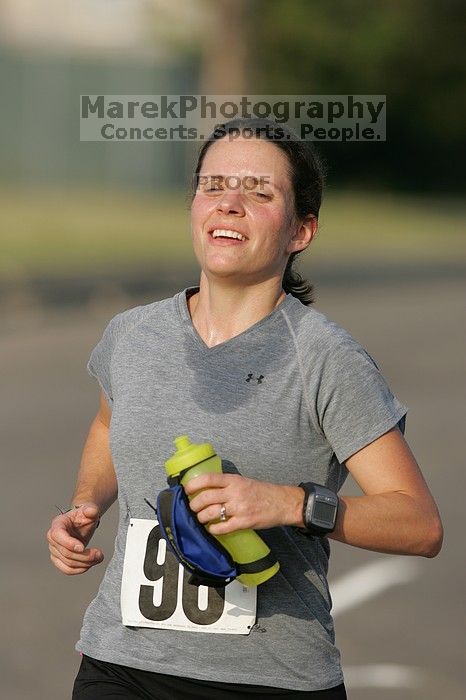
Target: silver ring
column 223, row 512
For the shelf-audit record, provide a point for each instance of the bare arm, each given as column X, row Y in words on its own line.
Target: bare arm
column 96, row 481
column 397, row 514
column 96, row 489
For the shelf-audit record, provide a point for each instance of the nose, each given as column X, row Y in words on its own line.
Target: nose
column 231, row 203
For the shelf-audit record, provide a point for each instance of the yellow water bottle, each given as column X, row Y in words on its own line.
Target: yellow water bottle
column 245, row 547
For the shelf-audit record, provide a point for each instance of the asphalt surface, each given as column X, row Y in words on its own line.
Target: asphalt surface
column 402, row 632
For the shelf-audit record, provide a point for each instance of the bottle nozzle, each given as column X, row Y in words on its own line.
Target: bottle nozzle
column 187, row 454
column 182, row 442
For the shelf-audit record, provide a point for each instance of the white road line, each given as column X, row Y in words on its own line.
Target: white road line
column 382, row 676
column 370, row 580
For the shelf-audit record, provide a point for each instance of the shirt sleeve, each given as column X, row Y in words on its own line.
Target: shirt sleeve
column 355, row 405
column 99, row 365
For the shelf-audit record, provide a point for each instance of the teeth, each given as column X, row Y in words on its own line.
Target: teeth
column 229, row 234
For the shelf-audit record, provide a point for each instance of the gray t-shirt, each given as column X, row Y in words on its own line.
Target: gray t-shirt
column 287, row 400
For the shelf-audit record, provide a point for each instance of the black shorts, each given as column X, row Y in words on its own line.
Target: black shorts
column 98, row 680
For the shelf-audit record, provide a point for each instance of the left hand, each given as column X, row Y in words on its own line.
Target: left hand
column 249, row 503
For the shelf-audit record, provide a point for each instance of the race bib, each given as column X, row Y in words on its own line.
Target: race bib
column 155, row 591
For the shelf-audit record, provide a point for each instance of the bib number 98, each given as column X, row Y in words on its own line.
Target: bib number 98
column 155, row 591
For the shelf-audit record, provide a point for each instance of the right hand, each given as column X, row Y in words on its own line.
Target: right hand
column 68, row 537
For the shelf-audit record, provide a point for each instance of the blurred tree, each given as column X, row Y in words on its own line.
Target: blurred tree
column 411, row 50
column 226, row 50
column 213, row 34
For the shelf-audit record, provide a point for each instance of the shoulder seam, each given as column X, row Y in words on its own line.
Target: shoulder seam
column 301, row 373
column 131, row 328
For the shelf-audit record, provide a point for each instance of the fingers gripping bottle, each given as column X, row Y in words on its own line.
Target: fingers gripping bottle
column 254, row 558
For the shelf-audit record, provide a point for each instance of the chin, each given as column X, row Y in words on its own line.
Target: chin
column 223, row 273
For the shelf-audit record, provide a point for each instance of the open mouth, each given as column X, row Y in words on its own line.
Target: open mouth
column 227, row 235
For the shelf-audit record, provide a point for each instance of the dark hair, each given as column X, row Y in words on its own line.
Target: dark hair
column 306, row 175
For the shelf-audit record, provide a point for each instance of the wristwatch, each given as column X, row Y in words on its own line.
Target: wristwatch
column 320, row 509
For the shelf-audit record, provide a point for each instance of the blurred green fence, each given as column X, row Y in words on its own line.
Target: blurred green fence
column 39, row 131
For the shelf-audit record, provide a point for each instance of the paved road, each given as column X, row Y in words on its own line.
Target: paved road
column 399, row 620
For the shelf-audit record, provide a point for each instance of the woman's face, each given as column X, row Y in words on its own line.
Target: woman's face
column 244, row 188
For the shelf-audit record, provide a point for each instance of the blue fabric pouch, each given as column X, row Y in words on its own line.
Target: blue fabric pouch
column 194, row 547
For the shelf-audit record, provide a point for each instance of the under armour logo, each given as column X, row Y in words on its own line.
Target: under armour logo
column 259, row 379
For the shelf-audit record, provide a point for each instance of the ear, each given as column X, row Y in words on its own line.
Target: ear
column 306, row 231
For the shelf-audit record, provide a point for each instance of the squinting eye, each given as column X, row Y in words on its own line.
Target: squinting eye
column 261, row 195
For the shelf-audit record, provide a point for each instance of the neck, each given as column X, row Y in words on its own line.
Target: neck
column 222, row 309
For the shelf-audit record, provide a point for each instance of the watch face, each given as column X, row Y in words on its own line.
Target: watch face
column 320, row 509
column 323, row 512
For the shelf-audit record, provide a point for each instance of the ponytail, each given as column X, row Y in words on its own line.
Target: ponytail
column 295, row 285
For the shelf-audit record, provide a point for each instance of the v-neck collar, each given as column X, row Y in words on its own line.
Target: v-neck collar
column 182, row 305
